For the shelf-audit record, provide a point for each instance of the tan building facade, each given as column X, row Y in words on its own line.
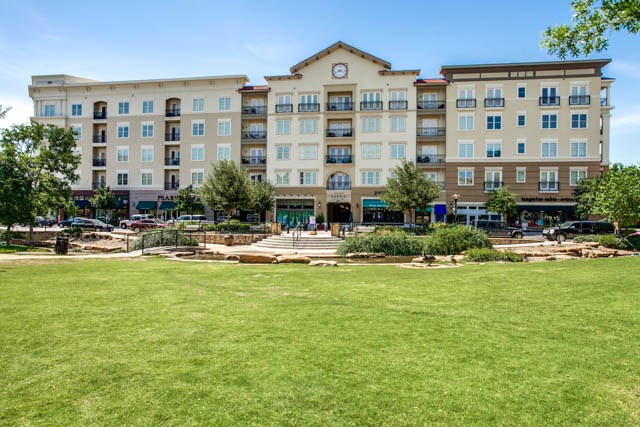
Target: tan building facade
column 329, row 134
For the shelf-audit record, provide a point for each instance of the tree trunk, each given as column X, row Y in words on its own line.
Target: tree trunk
column 30, row 234
column 8, row 235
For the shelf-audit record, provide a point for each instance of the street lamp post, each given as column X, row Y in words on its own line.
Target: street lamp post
column 456, row 196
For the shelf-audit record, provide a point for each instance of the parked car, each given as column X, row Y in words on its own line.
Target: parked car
column 498, row 229
column 45, row 222
column 146, row 224
column 571, row 229
column 126, row 223
column 70, row 221
column 92, row 224
column 187, row 218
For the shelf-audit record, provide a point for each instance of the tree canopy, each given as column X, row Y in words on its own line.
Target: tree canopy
column 585, row 194
column 592, row 21
column 186, row 200
column 262, row 196
column 226, row 188
column 104, row 199
column 502, row 201
column 409, row 189
column 618, row 195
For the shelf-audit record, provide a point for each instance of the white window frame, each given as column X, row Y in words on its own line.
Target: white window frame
column 521, row 114
column 308, row 152
column 579, row 113
column 125, row 130
column 122, row 174
column 548, row 155
column 145, row 106
column 78, row 129
column 308, row 126
column 521, row 141
column 281, row 150
column 197, row 182
column 283, row 127
column 197, row 105
column 224, row 127
column 224, row 103
column 370, row 177
column 522, row 170
column 370, row 151
column 123, row 108
column 283, row 177
column 125, row 151
column 493, row 145
column 578, row 142
column 463, row 182
column 398, row 124
column 547, row 171
column 466, row 122
column 146, row 148
column 494, row 121
column 197, row 149
column 465, row 145
column 225, row 150
column 398, row 150
column 371, row 124
column 549, row 113
column 578, row 171
column 195, row 128
column 76, row 110
column 308, row 177
column 146, row 173
column 144, row 130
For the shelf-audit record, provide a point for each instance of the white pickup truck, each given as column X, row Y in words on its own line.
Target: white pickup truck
column 125, row 223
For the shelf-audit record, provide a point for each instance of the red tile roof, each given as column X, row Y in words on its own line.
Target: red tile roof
column 254, row 88
column 431, row 81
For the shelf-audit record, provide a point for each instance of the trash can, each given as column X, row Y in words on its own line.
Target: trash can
column 276, row 228
column 62, row 245
column 335, row 229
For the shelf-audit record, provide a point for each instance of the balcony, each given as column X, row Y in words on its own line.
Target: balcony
column 101, row 115
column 172, row 112
column 340, row 133
column 344, row 158
column 254, row 135
column 308, row 108
column 547, row 186
column 437, row 106
column 340, row 106
column 549, row 101
column 171, row 185
column 494, row 102
column 255, row 110
column 99, row 163
column 254, row 160
column 492, row 185
column 99, row 139
column 98, row 184
column 580, row 100
column 284, row 108
column 466, row 103
column 398, row 105
column 604, row 102
column 423, row 159
column 342, row 186
column 431, row 132
column 440, row 184
column 172, row 137
column 371, row 105
column 172, row 161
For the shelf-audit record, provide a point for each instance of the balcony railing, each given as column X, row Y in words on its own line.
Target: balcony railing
column 431, row 131
column 172, row 161
column 432, row 105
column 256, row 109
column 99, row 139
column 98, row 184
column 100, row 115
column 171, row 185
column 371, row 105
column 172, row 112
column 99, row 162
column 308, row 108
column 339, row 106
column 440, row 184
column 284, row 108
column 494, row 102
column 339, row 133
column 344, row 158
column 492, row 185
column 548, row 186
column 398, row 105
column 579, row 100
column 172, row 136
column 549, row 101
column 430, row 158
column 254, row 134
column 604, row 102
column 254, row 160
column 466, row 103
column 339, row 186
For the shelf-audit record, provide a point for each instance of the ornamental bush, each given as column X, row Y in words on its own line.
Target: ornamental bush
column 455, row 240
column 488, row 254
column 154, row 239
column 613, row 242
column 392, row 244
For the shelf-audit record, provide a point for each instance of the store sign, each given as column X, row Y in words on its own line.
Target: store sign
column 547, row 199
column 338, row 196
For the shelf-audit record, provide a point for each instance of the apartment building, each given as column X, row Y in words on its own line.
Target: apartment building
column 329, row 134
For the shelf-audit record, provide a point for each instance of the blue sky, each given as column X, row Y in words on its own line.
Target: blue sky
column 130, row 40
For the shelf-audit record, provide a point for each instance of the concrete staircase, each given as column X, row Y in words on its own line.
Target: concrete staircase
column 305, row 242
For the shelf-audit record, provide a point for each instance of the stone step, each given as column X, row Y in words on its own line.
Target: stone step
column 324, row 243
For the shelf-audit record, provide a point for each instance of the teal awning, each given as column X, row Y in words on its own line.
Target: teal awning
column 167, row 206
column 374, row 204
column 428, row 210
column 146, row 205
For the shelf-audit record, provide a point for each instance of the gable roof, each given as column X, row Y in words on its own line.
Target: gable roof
column 334, row 47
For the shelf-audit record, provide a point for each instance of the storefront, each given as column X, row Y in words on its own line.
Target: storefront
column 376, row 211
column 292, row 212
column 544, row 215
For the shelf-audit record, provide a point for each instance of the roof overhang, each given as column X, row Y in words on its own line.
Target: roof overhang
column 339, row 45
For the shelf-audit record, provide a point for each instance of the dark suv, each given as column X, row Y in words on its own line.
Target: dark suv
column 498, row 229
column 571, row 229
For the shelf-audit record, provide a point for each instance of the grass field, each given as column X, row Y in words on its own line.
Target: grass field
column 153, row 342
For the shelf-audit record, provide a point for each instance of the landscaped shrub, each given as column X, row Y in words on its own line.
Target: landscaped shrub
column 634, row 241
column 17, row 235
column 153, row 239
column 488, row 254
column 613, row 242
column 393, row 244
column 456, row 239
column 71, row 232
column 582, row 239
column 228, row 227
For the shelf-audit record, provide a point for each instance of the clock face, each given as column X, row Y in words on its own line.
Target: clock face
column 340, row 71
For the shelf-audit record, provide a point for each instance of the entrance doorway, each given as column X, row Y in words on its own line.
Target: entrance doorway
column 339, row 212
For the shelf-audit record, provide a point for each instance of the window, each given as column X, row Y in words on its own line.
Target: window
column 549, row 121
column 282, row 178
column 122, row 178
column 308, row 103
column 308, row 152
column 197, row 128
column 224, row 104
column 197, row 178
column 256, row 177
column 398, row 100
column 549, row 96
column 224, row 152
column 579, row 95
column 465, row 150
column 123, row 131
column 370, row 177
column 147, row 107
column 309, row 126
column 465, row 177
column 146, row 178
column 147, row 130
column 521, row 146
column 123, row 107
column 122, row 154
column 197, row 153
column 522, row 91
column 371, row 101
column 521, row 175
column 283, row 104
column 549, row 149
column 522, row 119
column 371, row 124
column 283, row 127
column 578, row 121
column 578, row 148
column 76, row 109
column 494, row 150
column 494, row 122
column 577, row 175
column 494, row 98
column 146, row 153
column 398, row 124
column 465, row 122
column 397, row 151
column 466, row 98
column 492, row 180
column 78, row 130
column 548, row 181
column 49, row 110
column 198, row 105
column 282, row 152
column 308, row 178
column 370, row 151
column 224, row 127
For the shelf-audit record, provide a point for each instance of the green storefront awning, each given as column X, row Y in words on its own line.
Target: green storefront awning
column 167, row 206
column 146, row 205
column 374, row 204
column 428, row 210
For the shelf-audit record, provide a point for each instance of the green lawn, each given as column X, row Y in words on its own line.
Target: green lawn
column 4, row 249
column 154, row 342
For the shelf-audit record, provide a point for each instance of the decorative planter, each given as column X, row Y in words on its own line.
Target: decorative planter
column 228, row 240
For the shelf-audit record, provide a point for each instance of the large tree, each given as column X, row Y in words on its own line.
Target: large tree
column 226, row 188
column 3, row 111
column 585, row 194
column 502, row 201
column 409, row 189
column 263, row 196
column 104, row 199
column 592, row 21
column 186, row 200
column 37, row 165
column 618, row 195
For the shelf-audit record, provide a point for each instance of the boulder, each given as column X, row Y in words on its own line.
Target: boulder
column 298, row 259
column 257, row 258
column 365, row 255
column 183, row 254
column 323, row 263
column 231, row 257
